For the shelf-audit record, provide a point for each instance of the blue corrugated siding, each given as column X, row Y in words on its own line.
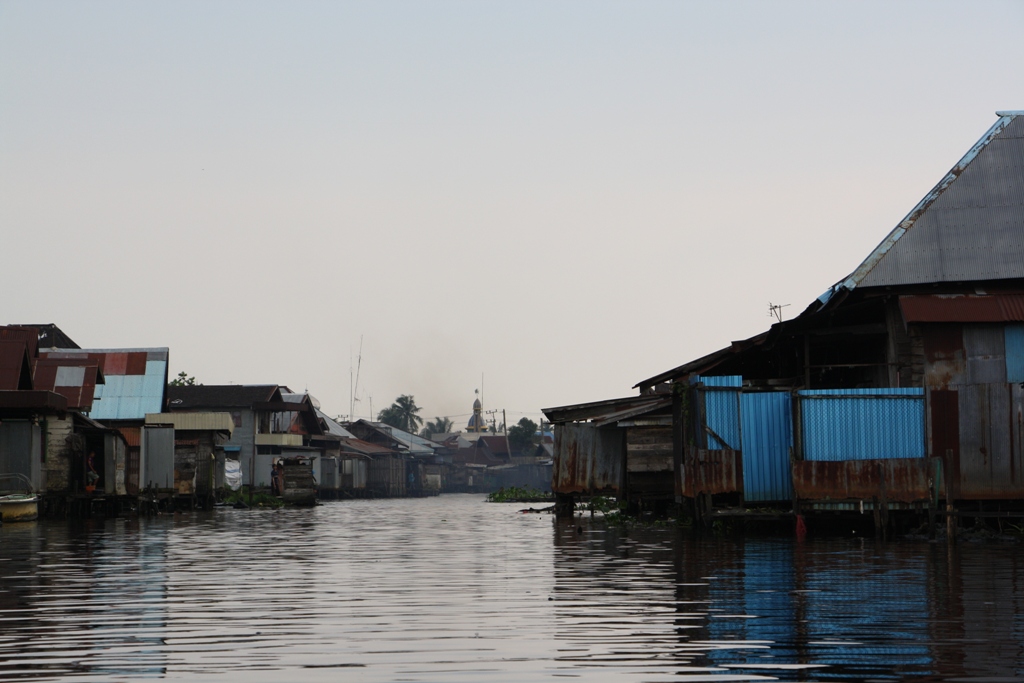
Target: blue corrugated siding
column 723, row 381
column 722, row 411
column 862, row 424
column 1014, row 335
column 767, row 424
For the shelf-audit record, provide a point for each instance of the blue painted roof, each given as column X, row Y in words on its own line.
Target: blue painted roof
column 131, row 397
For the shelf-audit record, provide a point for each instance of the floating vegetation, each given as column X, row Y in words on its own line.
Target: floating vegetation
column 516, row 494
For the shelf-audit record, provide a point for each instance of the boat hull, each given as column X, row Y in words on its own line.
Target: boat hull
column 19, row 508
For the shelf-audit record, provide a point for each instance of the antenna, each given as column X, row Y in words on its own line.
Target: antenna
column 355, row 386
column 775, row 310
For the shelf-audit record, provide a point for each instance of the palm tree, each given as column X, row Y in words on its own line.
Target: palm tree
column 440, row 425
column 402, row 414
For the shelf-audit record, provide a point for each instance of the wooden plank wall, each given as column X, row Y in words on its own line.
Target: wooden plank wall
column 649, row 462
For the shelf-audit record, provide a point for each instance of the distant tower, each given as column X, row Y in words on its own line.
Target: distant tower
column 476, row 423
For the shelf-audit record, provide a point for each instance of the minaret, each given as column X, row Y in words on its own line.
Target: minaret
column 476, row 423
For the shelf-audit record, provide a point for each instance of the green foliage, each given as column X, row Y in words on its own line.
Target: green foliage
column 402, row 414
column 515, row 494
column 523, row 436
column 440, row 425
column 184, row 380
column 259, row 499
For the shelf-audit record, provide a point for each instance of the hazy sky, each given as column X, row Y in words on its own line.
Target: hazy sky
column 566, row 197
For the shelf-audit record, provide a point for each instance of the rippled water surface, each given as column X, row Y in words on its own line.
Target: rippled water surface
column 455, row 589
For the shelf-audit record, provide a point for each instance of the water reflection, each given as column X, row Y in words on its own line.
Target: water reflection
column 681, row 607
column 452, row 588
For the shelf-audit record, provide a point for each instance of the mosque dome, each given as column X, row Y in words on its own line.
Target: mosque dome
column 477, row 405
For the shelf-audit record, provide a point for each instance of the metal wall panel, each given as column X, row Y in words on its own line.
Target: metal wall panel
column 706, row 471
column 990, row 430
column 767, row 427
column 986, row 357
column 587, row 459
column 1013, row 343
column 722, row 411
column 862, row 424
column 158, row 457
column 20, row 444
column 904, row 481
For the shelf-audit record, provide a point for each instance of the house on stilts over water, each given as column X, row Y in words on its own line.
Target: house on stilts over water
column 899, row 392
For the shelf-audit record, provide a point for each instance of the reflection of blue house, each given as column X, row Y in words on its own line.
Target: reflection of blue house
column 811, row 607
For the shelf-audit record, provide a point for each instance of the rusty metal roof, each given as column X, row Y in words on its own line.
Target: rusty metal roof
column 957, row 308
column 135, row 380
column 24, row 333
column 15, row 367
column 361, row 447
column 969, row 227
column 73, row 378
column 599, row 410
column 32, row 401
column 132, row 435
column 50, row 336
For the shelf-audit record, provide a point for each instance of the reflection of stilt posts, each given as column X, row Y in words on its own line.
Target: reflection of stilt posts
column 883, row 513
column 565, row 505
column 950, row 523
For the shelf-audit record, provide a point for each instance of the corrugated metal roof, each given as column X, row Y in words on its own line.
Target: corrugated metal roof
column 73, row 378
column 219, row 396
column 363, row 447
column 128, row 397
column 29, row 335
column 969, row 227
column 33, row 400
column 417, row 445
column 600, row 411
column 15, row 367
column 50, row 336
column 333, row 427
column 949, row 308
column 132, row 435
column 184, row 422
column 136, row 380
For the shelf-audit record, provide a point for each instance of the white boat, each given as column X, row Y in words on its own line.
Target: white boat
column 19, row 507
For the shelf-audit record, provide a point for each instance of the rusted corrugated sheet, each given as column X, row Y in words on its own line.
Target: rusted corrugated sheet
column 29, row 401
column 944, row 420
column 24, row 333
column 73, row 378
column 15, row 366
column 904, row 481
column 132, row 435
column 963, row 308
column 712, row 471
column 945, row 360
column 587, row 459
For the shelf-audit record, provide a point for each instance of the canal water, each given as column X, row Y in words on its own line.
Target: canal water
column 456, row 589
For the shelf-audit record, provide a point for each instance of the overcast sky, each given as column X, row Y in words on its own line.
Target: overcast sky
column 563, row 197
